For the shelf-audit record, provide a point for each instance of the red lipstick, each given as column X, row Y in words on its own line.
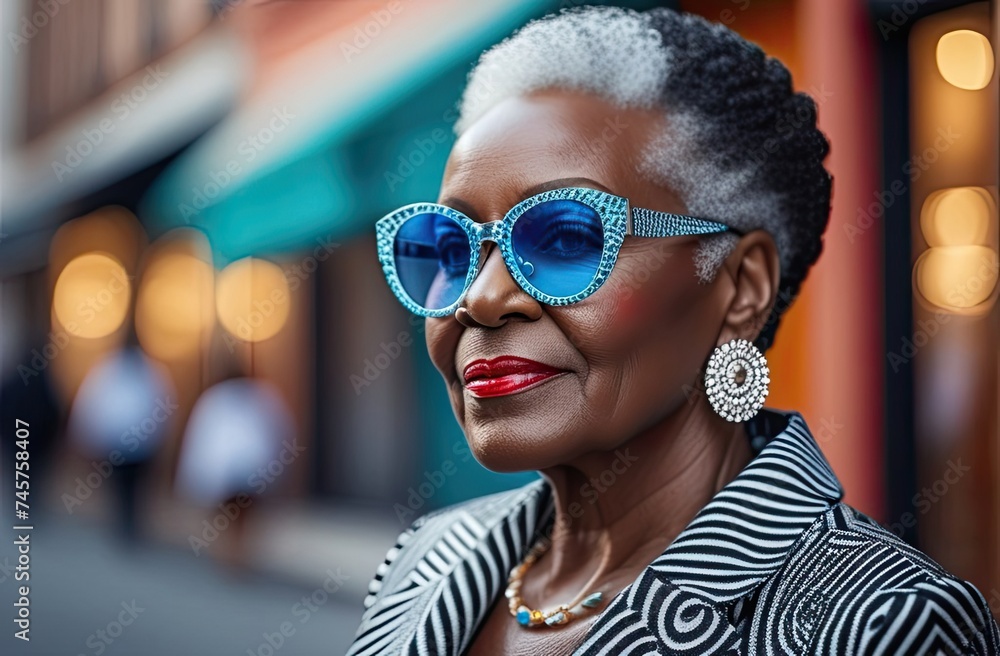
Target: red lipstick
column 507, row 374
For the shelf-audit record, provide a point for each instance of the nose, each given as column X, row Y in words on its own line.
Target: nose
column 495, row 297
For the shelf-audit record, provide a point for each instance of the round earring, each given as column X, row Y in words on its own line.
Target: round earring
column 736, row 380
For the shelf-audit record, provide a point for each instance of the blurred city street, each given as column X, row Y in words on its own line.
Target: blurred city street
column 84, row 578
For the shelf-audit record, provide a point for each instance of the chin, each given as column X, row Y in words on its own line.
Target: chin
column 526, row 431
column 506, row 449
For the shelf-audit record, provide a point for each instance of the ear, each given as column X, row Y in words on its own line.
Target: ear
column 754, row 269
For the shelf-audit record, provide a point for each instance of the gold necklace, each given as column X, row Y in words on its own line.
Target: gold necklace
column 561, row 614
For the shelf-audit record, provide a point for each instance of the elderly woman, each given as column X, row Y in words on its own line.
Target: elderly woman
column 632, row 200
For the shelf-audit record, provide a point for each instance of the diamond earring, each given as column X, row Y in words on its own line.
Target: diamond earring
column 736, row 380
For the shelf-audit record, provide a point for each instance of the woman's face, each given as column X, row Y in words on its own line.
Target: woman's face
column 629, row 354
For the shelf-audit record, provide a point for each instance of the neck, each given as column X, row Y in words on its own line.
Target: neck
column 620, row 509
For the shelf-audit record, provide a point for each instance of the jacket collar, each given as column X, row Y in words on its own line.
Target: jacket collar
column 746, row 530
column 744, row 534
column 741, row 537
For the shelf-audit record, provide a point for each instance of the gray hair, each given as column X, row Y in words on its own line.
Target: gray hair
column 739, row 145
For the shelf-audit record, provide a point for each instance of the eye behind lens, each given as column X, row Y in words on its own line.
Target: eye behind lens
column 431, row 254
column 559, row 244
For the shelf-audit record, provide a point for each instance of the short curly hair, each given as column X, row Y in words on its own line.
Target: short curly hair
column 741, row 146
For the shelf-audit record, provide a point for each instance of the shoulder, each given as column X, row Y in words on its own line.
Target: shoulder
column 466, row 517
column 867, row 591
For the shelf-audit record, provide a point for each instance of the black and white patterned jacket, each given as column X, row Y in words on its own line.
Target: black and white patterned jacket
column 773, row 564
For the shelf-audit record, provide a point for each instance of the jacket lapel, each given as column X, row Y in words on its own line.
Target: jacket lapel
column 465, row 571
column 685, row 600
column 741, row 537
column 744, row 534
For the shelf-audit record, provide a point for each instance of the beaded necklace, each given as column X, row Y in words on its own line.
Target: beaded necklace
column 561, row 614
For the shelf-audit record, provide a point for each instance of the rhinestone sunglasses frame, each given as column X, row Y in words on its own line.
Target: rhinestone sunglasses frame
column 618, row 220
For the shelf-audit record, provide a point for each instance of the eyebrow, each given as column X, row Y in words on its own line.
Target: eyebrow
column 466, row 208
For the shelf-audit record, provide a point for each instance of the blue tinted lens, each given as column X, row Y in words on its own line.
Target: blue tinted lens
column 432, row 259
column 558, row 245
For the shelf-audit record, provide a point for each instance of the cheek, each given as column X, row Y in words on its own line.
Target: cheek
column 647, row 321
column 629, row 307
column 442, row 338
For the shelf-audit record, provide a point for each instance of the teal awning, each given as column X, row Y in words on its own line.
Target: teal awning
column 351, row 134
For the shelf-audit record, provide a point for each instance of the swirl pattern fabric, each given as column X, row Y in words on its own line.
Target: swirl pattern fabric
column 773, row 564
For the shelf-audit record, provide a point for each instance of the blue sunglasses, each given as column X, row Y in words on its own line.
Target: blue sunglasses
column 560, row 246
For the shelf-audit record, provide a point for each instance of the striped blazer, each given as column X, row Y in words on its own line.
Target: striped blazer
column 773, row 564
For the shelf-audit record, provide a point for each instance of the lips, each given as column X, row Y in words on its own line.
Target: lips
column 506, row 375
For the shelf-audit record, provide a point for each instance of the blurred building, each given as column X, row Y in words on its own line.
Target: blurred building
column 200, row 180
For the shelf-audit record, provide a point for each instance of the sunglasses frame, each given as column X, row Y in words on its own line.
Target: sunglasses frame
column 618, row 219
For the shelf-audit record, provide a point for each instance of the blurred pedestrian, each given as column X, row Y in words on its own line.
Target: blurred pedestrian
column 119, row 419
column 231, row 454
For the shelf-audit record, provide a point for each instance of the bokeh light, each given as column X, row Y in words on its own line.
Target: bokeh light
column 956, row 277
column 252, row 299
column 174, row 311
column 959, row 216
column 965, row 59
column 92, row 295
